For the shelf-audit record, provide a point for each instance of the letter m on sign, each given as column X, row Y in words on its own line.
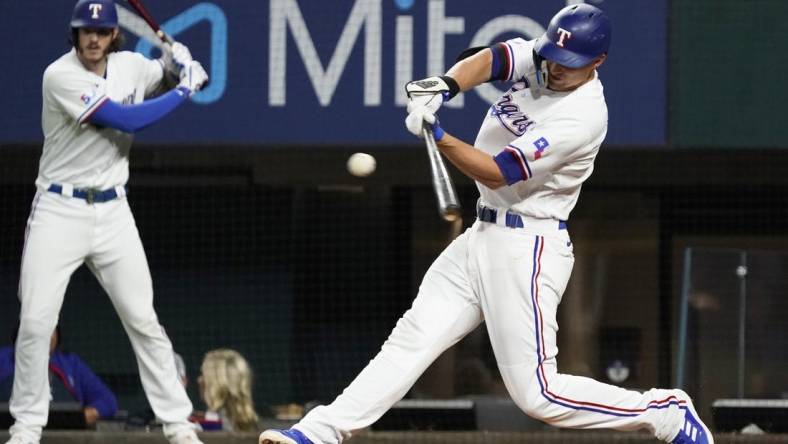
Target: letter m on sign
column 286, row 14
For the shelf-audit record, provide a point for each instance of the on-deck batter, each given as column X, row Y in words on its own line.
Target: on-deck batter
column 535, row 148
column 92, row 102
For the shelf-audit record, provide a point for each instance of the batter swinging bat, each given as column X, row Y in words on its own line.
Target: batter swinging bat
column 448, row 204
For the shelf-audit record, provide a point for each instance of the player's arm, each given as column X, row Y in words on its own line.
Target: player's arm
column 539, row 152
column 95, row 393
column 505, row 61
column 466, row 74
column 474, row 163
column 472, row 71
column 133, row 118
column 512, row 60
column 6, row 363
column 427, row 95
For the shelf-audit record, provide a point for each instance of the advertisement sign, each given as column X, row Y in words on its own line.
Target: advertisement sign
column 308, row 72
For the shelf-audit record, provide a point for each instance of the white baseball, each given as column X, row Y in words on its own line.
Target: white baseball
column 361, row 164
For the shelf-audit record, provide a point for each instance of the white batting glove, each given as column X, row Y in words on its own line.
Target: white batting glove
column 429, row 92
column 181, row 56
column 423, row 116
column 174, row 57
column 193, row 78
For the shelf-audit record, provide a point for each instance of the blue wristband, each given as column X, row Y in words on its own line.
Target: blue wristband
column 437, row 131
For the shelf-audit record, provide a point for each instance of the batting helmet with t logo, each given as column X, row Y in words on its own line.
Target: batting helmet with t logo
column 576, row 36
column 94, row 14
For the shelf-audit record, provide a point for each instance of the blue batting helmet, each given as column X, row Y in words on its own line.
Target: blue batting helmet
column 576, row 36
column 94, row 14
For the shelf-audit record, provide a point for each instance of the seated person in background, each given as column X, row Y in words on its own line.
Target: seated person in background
column 70, row 379
column 226, row 388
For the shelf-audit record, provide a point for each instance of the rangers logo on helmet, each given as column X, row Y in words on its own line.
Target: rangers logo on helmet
column 564, row 34
column 576, row 36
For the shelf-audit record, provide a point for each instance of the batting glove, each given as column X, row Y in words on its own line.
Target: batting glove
column 193, row 78
column 174, row 57
column 416, row 120
column 181, row 56
column 431, row 92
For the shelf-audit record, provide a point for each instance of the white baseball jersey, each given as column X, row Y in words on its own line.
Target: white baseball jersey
column 75, row 152
column 549, row 140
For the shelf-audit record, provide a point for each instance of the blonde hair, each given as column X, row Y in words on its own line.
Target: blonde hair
column 227, row 381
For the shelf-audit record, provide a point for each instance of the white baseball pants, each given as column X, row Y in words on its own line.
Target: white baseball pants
column 513, row 279
column 62, row 233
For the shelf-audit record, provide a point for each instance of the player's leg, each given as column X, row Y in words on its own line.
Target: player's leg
column 444, row 311
column 56, row 241
column 520, row 303
column 118, row 261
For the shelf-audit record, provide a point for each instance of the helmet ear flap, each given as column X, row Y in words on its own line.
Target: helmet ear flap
column 541, row 70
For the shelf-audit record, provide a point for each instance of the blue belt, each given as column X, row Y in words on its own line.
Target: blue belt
column 513, row 220
column 90, row 195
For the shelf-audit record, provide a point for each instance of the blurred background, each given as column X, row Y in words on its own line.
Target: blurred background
column 260, row 240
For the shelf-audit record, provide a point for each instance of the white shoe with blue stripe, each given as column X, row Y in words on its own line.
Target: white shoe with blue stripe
column 694, row 431
column 289, row 436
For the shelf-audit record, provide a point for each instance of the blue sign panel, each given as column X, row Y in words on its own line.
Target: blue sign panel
column 287, row 72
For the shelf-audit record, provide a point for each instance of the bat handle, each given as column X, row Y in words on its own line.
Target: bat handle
column 448, row 204
column 164, row 37
column 429, row 139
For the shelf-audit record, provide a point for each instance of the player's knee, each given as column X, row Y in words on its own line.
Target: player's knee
column 407, row 338
column 531, row 403
column 526, row 394
column 35, row 328
column 146, row 324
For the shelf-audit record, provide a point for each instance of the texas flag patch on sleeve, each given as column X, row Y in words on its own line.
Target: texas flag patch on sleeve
column 541, row 144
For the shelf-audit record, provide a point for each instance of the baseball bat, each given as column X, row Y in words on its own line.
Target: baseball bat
column 448, row 204
column 154, row 25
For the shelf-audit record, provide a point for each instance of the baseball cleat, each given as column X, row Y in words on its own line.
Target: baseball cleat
column 17, row 439
column 694, row 431
column 289, row 436
column 188, row 437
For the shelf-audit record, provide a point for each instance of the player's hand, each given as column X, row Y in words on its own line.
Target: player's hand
column 418, row 118
column 91, row 415
column 181, row 56
column 174, row 57
column 429, row 93
column 193, row 78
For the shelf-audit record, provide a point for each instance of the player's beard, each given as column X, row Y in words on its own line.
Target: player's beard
column 90, row 53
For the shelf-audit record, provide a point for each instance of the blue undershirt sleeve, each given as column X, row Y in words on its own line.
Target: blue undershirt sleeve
column 132, row 118
column 94, row 392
